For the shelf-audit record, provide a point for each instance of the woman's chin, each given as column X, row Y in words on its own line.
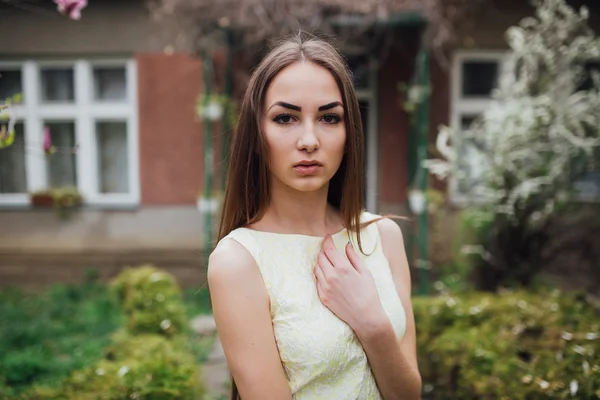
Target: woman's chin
column 308, row 184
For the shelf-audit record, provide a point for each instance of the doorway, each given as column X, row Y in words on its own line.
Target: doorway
column 364, row 69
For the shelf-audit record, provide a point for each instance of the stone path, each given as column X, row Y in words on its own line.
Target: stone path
column 214, row 370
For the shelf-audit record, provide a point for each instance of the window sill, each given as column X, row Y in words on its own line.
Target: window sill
column 27, row 207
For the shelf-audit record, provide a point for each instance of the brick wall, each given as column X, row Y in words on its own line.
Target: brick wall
column 170, row 135
column 394, row 125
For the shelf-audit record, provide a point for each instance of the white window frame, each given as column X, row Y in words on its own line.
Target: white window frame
column 471, row 106
column 371, row 95
column 85, row 111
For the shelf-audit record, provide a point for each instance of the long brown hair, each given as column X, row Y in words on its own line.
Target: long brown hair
column 247, row 193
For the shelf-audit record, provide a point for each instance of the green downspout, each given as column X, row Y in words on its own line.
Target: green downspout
column 423, row 176
column 208, row 155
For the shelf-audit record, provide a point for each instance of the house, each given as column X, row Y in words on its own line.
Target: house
column 115, row 87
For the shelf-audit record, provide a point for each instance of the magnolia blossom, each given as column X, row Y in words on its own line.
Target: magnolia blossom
column 71, row 8
column 47, row 141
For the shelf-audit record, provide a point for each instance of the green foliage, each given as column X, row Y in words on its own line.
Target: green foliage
column 197, row 301
column 151, row 300
column 510, row 345
column 464, row 273
column 7, row 122
column 146, row 359
column 227, row 106
column 63, row 199
column 148, row 366
column 43, row 337
column 524, row 157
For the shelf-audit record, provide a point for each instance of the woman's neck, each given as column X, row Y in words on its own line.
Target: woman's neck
column 306, row 213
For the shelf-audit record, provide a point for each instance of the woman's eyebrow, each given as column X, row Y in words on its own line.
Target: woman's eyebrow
column 298, row 108
column 286, row 105
column 330, row 106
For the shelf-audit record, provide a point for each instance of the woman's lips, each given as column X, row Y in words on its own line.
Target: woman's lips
column 307, row 169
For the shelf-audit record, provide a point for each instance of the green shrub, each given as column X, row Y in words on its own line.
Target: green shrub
column 510, row 345
column 45, row 336
column 197, row 301
column 149, row 367
column 151, row 358
column 151, row 301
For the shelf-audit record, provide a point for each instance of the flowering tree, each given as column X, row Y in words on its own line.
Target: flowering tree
column 71, row 8
column 202, row 22
column 541, row 134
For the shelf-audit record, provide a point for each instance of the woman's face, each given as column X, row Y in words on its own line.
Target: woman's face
column 303, row 125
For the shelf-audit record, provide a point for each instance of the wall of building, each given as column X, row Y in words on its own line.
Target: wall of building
column 37, row 29
column 165, row 225
column 393, row 141
column 170, row 134
column 36, row 246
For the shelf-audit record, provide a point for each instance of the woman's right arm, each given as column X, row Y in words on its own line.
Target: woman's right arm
column 242, row 314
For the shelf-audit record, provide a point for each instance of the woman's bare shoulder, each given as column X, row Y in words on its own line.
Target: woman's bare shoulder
column 230, row 261
column 389, row 230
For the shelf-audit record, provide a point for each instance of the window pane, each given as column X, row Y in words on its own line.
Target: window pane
column 587, row 186
column 10, row 83
column 57, row 84
column 466, row 121
column 113, row 160
column 479, row 78
column 109, row 83
column 62, row 165
column 12, row 164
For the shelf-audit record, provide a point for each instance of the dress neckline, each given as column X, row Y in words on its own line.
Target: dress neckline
column 293, row 235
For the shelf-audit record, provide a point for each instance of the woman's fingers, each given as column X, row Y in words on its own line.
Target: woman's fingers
column 323, row 287
column 326, row 267
column 354, row 258
column 332, row 253
column 319, row 274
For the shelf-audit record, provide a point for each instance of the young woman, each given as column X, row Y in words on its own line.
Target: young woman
column 311, row 294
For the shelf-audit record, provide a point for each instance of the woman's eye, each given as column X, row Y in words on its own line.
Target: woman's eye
column 283, row 119
column 331, row 119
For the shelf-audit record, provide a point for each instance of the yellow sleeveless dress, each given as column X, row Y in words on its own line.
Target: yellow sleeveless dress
column 320, row 353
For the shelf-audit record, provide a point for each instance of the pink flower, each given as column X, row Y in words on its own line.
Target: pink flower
column 71, row 8
column 47, row 141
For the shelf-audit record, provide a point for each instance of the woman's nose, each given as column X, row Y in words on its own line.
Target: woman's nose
column 308, row 140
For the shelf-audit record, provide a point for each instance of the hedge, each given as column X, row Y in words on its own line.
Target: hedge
column 509, row 345
column 46, row 335
column 149, row 359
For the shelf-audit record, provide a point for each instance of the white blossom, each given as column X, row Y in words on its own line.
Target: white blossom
column 165, row 324
column 573, row 387
column 539, row 121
